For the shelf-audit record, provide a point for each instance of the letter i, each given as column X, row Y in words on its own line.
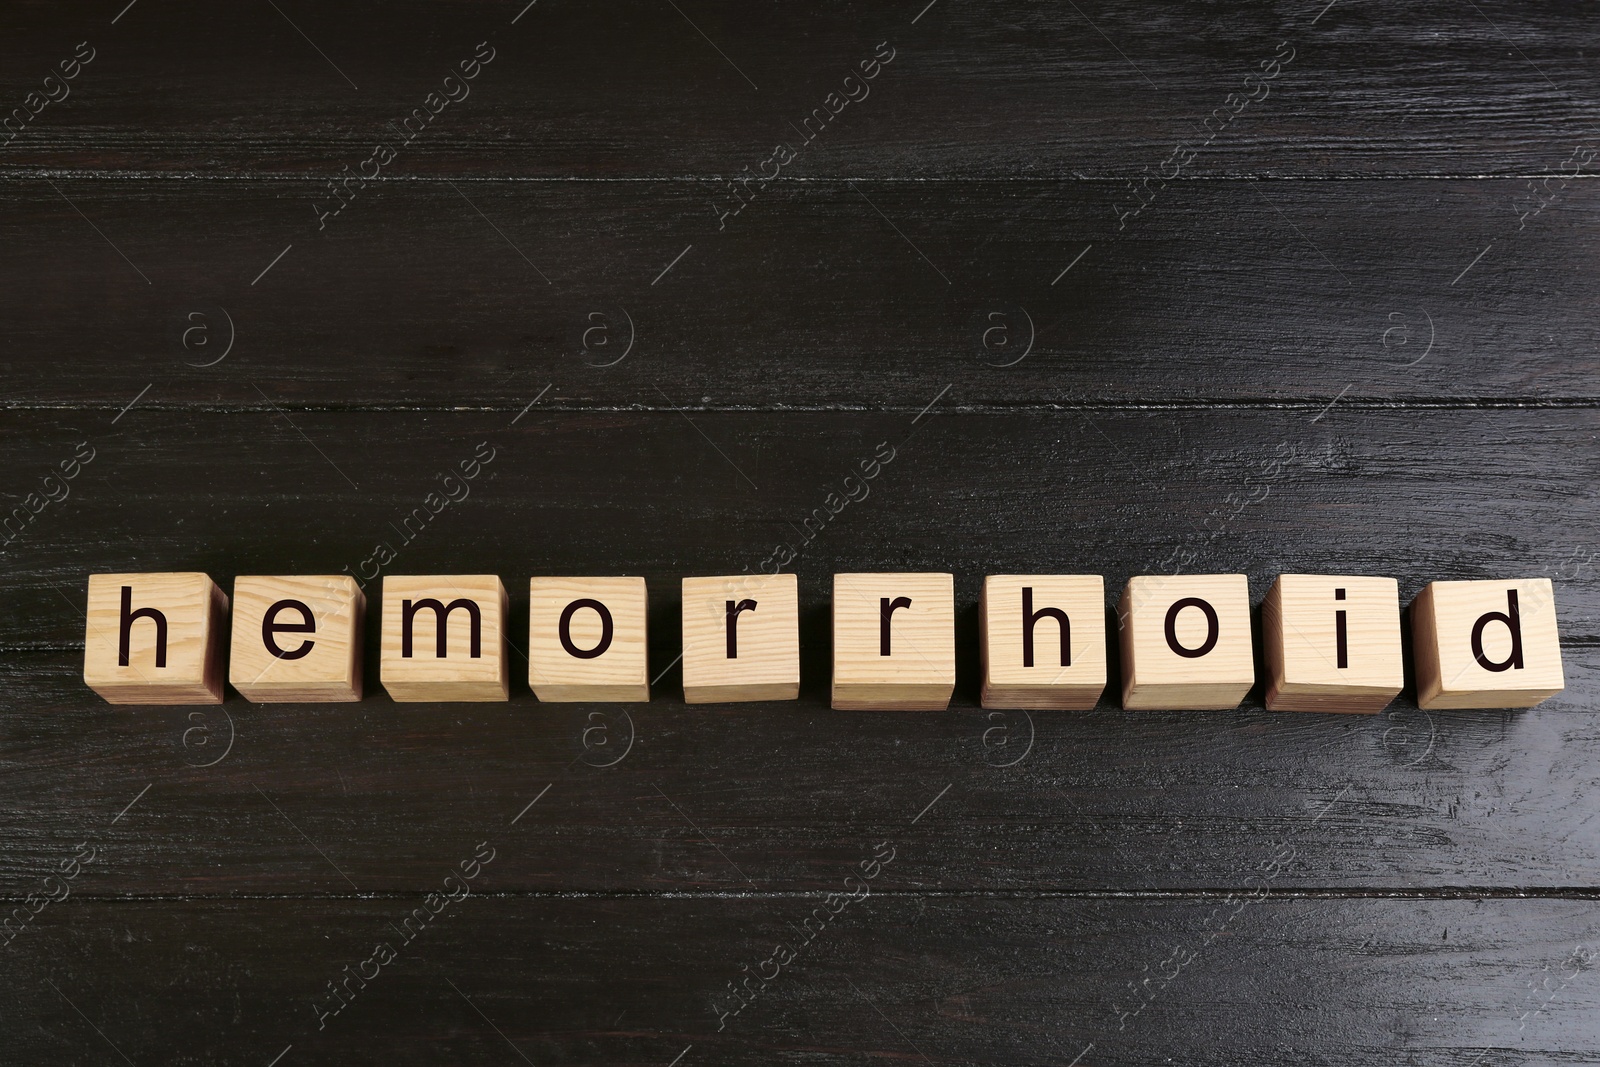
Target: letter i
column 1341, row 632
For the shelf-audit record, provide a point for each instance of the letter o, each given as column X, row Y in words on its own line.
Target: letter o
column 1213, row 628
column 564, row 628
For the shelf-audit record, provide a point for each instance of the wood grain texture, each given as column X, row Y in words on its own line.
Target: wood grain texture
column 1263, row 293
column 1332, row 643
column 894, row 644
column 1486, row 644
column 321, row 658
column 1186, row 641
column 1422, row 495
column 1064, row 293
column 741, row 638
column 427, row 652
column 1469, row 799
column 896, row 975
column 1042, row 640
column 638, row 89
column 588, row 638
column 642, row 801
column 155, row 638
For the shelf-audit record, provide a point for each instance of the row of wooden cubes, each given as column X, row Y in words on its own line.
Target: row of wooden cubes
column 1331, row 643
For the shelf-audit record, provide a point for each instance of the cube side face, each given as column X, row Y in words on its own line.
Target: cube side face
column 1425, row 647
column 1195, row 696
column 919, row 673
column 737, row 694
column 176, row 617
column 329, row 670
column 457, row 676
column 898, row 697
column 1341, row 702
column 1008, row 682
column 1487, row 644
column 1206, row 663
column 1125, row 640
column 762, row 613
column 1272, row 630
column 1312, row 623
column 604, row 653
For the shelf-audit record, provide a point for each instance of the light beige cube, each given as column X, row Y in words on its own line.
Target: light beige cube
column 1186, row 642
column 1043, row 639
column 154, row 638
column 297, row 638
column 893, row 641
column 1486, row 644
column 444, row 638
column 1332, row 643
column 588, row 639
column 741, row 638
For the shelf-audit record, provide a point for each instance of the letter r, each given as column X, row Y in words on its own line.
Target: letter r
column 886, row 610
column 733, row 624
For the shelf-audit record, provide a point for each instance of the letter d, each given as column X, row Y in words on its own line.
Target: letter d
column 1513, row 620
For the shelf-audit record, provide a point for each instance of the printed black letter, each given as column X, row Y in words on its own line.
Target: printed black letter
column 441, row 614
column 1212, row 627
column 887, row 608
column 733, row 624
column 1341, row 633
column 1510, row 617
column 1029, row 617
column 129, row 615
column 564, row 628
column 270, row 626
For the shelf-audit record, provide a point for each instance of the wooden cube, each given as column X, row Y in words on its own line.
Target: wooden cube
column 1043, row 638
column 894, row 642
column 1332, row 643
column 154, row 638
column 1186, row 642
column 444, row 638
column 741, row 638
column 587, row 639
column 297, row 638
column 1486, row 644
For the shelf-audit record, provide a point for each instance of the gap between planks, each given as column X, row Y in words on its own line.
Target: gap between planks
column 1200, row 405
column 33, row 173
column 1176, row 896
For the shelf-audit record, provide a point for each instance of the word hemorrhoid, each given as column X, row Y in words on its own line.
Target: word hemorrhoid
column 1331, row 643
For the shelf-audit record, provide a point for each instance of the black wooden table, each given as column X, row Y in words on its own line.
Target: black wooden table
column 1123, row 288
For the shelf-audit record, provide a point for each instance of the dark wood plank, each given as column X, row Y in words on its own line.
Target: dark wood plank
column 634, row 89
column 1104, row 801
column 937, row 980
column 1420, row 495
column 819, row 295
column 1388, row 373
column 308, row 801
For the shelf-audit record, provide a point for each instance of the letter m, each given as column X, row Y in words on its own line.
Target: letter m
column 441, row 615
